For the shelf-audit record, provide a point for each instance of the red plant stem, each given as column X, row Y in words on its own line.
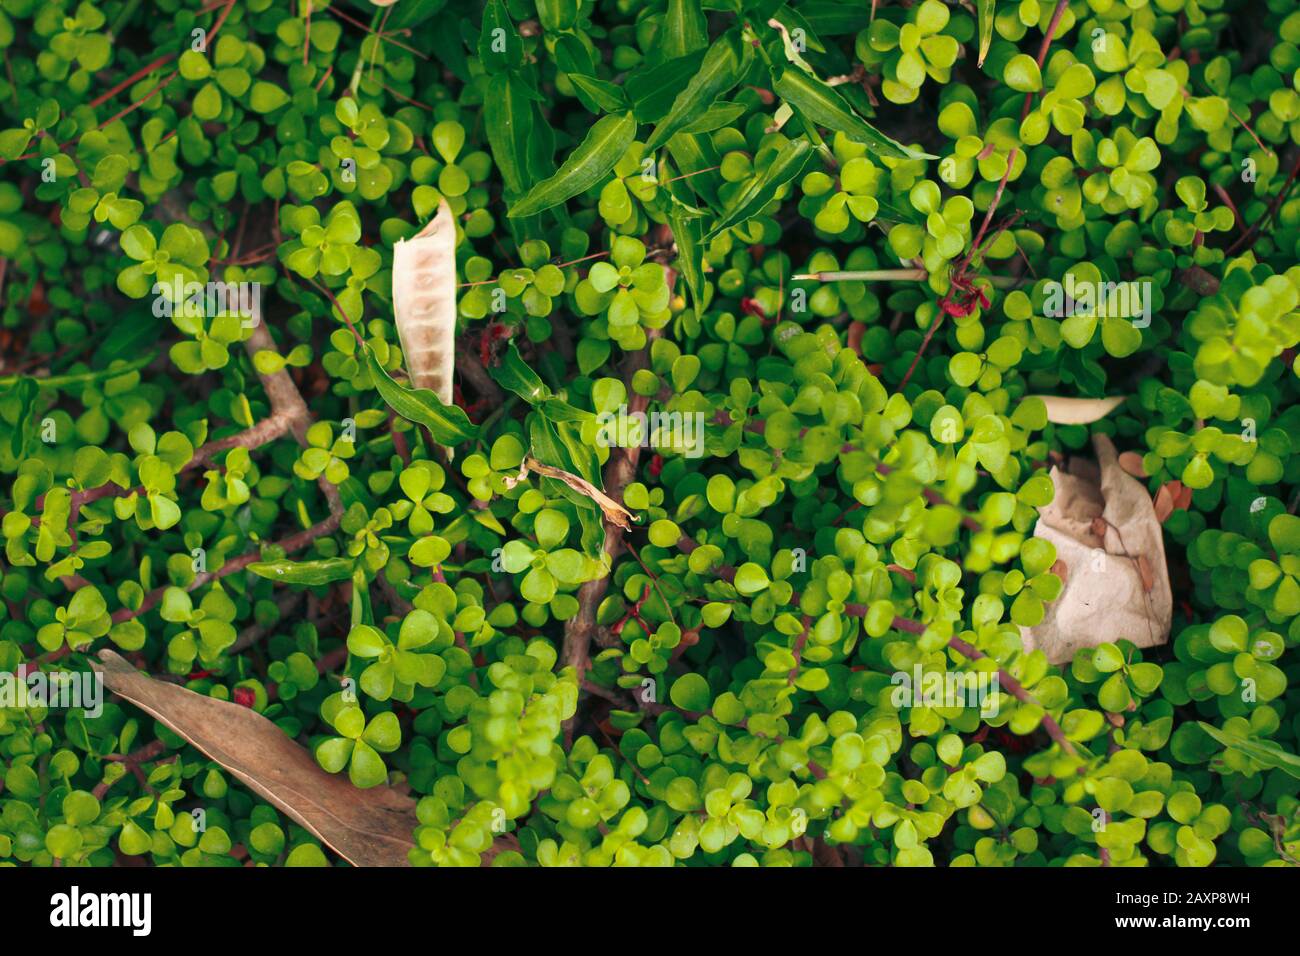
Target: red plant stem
column 381, row 35
column 342, row 314
column 1043, row 48
column 1226, row 199
column 399, row 440
column 134, row 77
column 265, row 431
column 216, row 28
column 306, row 40
column 960, row 270
column 1257, row 229
column 1247, row 127
column 993, row 208
column 929, row 334
column 1017, row 691
column 294, row 542
column 620, row 469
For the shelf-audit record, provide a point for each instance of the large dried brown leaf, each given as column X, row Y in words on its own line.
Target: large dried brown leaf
column 366, row 827
column 1111, row 552
column 1079, row 411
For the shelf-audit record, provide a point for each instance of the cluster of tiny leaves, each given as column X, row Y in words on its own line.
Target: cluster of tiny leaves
column 636, row 185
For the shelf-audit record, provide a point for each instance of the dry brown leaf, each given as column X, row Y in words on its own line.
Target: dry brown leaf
column 424, row 303
column 1163, row 503
column 1131, row 462
column 366, row 827
column 615, row 513
column 1079, row 411
column 1172, row 496
column 1103, row 525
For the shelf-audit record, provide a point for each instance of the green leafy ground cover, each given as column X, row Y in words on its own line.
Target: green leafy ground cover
column 830, row 231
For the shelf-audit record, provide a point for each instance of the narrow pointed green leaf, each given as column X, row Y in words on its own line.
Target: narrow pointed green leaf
column 606, row 96
column 817, row 103
column 787, row 165
column 1264, row 752
column 690, row 253
column 508, row 121
column 518, row 376
column 605, row 144
column 324, row 571
column 652, row 89
column 985, row 9
column 684, row 28
column 448, row 424
column 720, row 72
column 697, row 159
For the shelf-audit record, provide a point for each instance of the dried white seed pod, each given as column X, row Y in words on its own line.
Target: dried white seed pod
column 424, row 302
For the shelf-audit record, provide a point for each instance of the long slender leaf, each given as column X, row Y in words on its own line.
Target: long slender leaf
column 413, row 12
column 448, row 424
column 1264, row 752
column 697, row 159
column 690, row 254
column 985, row 9
column 508, row 120
column 794, row 20
column 324, row 571
column 720, row 71
column 607, row 97
column 652, row 89
column 518, row 376
column 27, row 392
column 720, row 114
column 497, row 18
column 684, row 28
column 548, row 447
column 817, row 103
column 787, row 164
column 832, row 18
column 605, row 144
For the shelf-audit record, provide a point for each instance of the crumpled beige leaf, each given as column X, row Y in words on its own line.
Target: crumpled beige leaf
column 366, row 827
column 1111, row 557
column 424, row 302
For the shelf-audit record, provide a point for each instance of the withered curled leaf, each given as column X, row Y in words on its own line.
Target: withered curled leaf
column 614, row 512
column 1111, row 550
